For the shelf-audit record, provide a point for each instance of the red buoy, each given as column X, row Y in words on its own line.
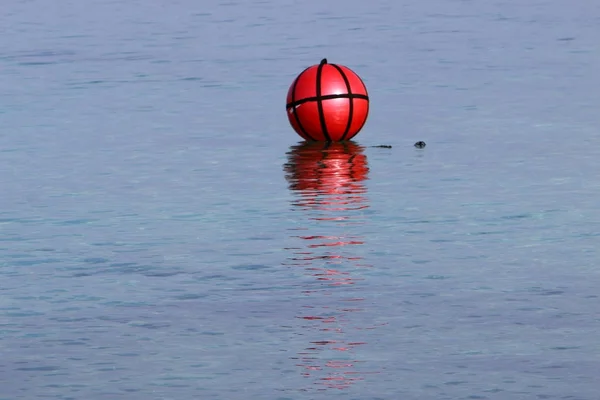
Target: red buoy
column 327, row 103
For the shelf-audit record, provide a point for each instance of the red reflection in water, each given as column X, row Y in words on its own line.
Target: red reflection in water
column 329, row 183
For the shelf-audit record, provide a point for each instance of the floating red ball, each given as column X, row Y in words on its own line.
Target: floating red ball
column 327, row 103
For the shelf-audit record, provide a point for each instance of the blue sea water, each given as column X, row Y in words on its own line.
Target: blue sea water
column 164, row 234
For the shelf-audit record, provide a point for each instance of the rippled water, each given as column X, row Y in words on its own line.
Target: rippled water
column 165, row 235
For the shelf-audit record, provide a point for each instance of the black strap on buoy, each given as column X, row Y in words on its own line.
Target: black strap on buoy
column 295, row 104
column 350, row 101
column 320, row 100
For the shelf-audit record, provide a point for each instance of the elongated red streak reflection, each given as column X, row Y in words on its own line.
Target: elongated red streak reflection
column 329, row 183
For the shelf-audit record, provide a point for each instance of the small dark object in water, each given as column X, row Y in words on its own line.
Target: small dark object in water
column 383, row 146
column 420, row 144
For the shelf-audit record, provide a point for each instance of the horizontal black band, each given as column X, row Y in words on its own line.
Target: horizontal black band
column 327, row 97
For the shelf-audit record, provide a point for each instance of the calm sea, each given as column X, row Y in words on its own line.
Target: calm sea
column 164, row 234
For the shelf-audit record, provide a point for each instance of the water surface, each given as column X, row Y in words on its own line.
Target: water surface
column 164, row 234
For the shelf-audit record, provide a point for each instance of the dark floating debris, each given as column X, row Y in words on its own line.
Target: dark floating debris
column 418, row 145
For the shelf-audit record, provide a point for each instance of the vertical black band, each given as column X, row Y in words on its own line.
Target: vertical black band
column 350, row 101
column 294, row 108
column 367, row 114
column 320, row 100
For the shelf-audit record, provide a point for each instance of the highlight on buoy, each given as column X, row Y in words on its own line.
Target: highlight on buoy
column 327, row 103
